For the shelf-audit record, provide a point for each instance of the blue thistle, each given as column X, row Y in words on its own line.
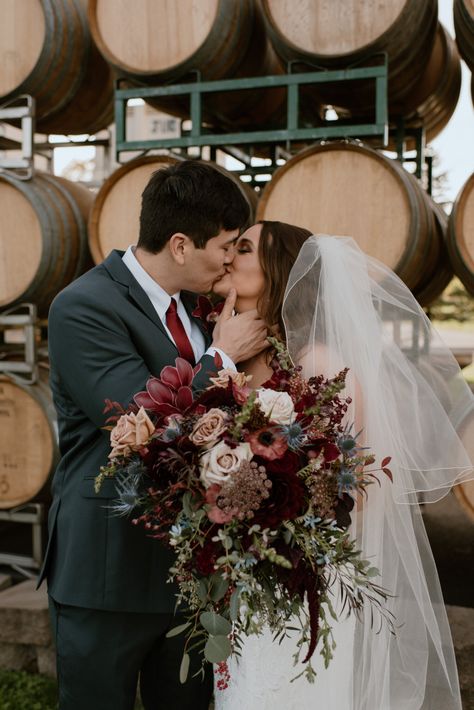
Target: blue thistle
column 346, row 481
column 294, row 435
column 347, row 442
column 128, row 495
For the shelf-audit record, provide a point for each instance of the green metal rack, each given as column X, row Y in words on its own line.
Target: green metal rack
column 200, row 136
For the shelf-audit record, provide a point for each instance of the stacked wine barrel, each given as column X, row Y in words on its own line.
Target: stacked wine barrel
column 46, row 50
column 154, row 42
column 67, row 53
column 376, row 201
column 43, row 247
column 28, row 441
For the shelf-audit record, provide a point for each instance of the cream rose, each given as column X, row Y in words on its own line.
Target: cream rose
column 209, row 427
column 278, row 406
column 239, row 379
column 220, row 462
column 130, row 433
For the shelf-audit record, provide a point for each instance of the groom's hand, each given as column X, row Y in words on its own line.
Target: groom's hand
column 242, row 336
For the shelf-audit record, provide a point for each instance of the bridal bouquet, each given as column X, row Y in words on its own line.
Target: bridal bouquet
column 252, row 489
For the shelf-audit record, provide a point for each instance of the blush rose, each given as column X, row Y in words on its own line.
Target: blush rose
column 209, row 427
column 131, row 432
column 277, row 406
column 220, row 462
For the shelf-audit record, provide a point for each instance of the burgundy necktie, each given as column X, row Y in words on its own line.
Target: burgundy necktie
column 176, row 328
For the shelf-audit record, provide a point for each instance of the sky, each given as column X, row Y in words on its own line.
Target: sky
column 454, row 145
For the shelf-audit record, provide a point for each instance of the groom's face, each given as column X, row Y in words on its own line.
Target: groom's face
column 205, row 266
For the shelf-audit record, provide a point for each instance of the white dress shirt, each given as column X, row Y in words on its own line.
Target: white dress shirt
column 161, row 300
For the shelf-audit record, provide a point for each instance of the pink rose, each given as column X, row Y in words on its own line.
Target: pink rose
column 239, row 379
column 239, row 383
column 209, row 427
column 131, row 432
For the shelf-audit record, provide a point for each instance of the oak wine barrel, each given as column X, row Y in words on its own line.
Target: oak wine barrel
column 43, row 244
column 342, row 33
column 28, row 441
column 434, row 284
column 463, row 12
column 46, row 50
column 437, row 92
column 350, row 189
column 155, row 42
column 461, row 235
column 114, row 218
column 464, row 492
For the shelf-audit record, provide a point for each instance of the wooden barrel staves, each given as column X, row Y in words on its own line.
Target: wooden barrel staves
column 433, row 284
column 28, row 441
column 156, row 42
column 437, row 92
column 464, row 492
column 342, row 33
column 461, row 235
column 46, row 50
column 463, row 11
column 350, row 189
column 114, row 218
column 43, row 244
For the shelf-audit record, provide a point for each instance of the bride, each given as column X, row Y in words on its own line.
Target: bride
column 336, row 308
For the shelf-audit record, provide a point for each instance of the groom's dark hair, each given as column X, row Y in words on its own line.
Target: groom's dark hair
column 193, row 197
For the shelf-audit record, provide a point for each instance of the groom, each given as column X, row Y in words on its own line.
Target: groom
column 108, row 332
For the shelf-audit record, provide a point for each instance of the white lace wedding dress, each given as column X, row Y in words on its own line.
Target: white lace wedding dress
column 345, row 309
column 261, row 678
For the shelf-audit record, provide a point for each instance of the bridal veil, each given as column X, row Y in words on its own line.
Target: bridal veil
column 345, row 309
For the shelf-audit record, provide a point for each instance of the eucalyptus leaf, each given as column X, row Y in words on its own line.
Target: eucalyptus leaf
column 234, row 604
column 177, row 630
column 227, row 543
column 218, row 587
column 215, row 624
column 188, row 511
column 184, row 668
column 372, row 572
column 202, row 590
column 217, row 649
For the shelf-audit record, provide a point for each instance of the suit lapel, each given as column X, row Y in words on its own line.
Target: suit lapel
column 119, row 272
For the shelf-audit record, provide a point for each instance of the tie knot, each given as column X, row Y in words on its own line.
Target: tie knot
column 173, row 307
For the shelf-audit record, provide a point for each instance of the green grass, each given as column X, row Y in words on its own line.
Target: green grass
column 26, row 691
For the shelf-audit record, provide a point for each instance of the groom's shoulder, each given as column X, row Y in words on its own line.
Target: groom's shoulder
column 96, row 288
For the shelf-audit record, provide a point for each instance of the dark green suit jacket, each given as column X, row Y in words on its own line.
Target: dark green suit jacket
column 105, row 340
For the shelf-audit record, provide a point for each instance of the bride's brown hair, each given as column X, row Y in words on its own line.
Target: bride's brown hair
column 278, row 248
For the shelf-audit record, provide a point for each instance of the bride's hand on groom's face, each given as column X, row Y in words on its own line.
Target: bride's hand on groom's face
column 242, row 336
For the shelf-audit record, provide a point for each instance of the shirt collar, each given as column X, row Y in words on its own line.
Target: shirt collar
column 157, row 295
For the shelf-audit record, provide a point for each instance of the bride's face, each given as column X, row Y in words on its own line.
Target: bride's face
column 245, row 273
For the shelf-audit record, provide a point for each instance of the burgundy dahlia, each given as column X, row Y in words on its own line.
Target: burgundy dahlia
column 285, row 502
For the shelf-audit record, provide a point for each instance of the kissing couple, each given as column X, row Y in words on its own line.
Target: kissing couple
column 333, row 307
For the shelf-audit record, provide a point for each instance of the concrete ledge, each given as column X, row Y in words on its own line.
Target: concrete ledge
column 24, row 617
column 18, row 657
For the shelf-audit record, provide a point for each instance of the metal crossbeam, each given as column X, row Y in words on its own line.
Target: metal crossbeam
column 26, row 114
column 198, row 136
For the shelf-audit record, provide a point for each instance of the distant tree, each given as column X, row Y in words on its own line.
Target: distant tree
column 455, row 303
